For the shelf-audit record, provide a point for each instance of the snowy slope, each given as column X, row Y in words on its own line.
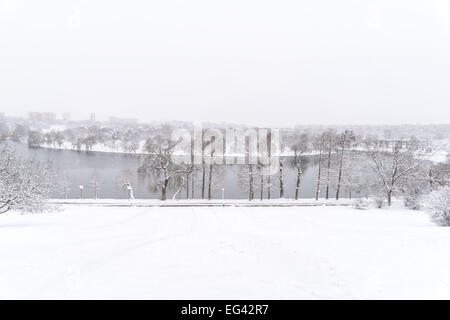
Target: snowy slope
column 251, row 253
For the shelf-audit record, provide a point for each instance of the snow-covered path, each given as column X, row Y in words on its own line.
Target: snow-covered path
column 208, row 253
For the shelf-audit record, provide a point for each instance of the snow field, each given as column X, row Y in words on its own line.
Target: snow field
column 84, row 252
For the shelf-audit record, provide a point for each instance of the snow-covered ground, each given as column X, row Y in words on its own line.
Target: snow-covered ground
column 231, row 252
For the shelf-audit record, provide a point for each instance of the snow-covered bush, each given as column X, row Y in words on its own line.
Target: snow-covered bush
column 438, row 203
column 360, row 204
column 413, row 190
column 412, row 202
column 379, row 202
column 25, row 185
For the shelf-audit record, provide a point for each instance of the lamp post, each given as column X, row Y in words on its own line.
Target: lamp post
column 81, row 192
column 223, row 197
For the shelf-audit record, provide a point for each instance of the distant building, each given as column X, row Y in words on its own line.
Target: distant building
column 92, row 117
column 115, row 120
column 66, row 116
column 41, row 116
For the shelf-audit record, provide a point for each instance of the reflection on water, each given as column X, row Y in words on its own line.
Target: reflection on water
column 79, row 167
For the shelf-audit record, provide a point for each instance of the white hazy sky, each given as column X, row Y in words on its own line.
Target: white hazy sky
column 279, row 62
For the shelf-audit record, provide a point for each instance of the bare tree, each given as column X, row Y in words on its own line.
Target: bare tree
column 330, row 139
column 344, row 141
column 299, row 177
column 205, row 144
column 319, row 145
column 352, row 174
column 159, row 162
column 300, row 145
column 269, row 153
column 392, row 166
column 247, row 176
column 94, row 184
column 439, row 175
column 281, row 178
column 438, row 203
column 24, row 184
column 193, row 176
column 65, row 186
column 262, row 180
column 251, row 178
column 211, row 161
column 190, row 173
column 175, row 196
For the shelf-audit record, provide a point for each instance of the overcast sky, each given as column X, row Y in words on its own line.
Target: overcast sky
column 279, row 62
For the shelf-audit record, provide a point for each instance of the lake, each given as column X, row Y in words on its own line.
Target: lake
column 79, row 166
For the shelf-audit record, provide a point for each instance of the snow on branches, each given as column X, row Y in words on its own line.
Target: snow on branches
column 160, row 163
column 438, row 203
column 25, row 185
column 392, row 167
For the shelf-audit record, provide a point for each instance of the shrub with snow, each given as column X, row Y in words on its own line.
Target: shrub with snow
column 379, row 202
column 438, row 203
column 360, row 204
column 25, row 185
column 412, row 202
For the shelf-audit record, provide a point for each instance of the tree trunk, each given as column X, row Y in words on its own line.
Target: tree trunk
column 5, row 207
column 431, row 179
column 318, row 175
column 191, row 173
column 340, row 171
column 389, row 196
column 210, row 174
column 281, row 180
column 179, row 190
column 203, row 179
column 262, row 185
column 250, row 178
column 210, row 181
column 187, row 185
column 328, row 171
column 164, row 190
column 299, row 176
column 193, row 186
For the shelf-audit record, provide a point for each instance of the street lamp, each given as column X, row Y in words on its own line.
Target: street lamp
column 81, row 191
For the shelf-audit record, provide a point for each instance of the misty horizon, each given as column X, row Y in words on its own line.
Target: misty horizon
column 107, row 118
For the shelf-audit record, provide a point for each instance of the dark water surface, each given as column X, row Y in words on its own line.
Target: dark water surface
column 80, row 166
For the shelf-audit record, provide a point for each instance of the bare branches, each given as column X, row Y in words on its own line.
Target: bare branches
column 394, row 165
column 24, row 185
column 160, row 163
